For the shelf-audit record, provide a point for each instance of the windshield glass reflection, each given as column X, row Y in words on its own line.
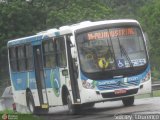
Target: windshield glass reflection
column 111, row 49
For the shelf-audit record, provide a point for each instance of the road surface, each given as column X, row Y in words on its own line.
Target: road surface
column 110, row 111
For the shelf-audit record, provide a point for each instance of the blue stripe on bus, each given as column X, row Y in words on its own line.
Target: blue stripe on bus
column 47, row 78
column 19, row 81
column 23, row 80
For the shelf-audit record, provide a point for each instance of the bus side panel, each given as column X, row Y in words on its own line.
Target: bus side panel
column 31, row 84
column 89, row 95
column 53, row 86
column 20, row 82
column 35, row 97
column 146, row 89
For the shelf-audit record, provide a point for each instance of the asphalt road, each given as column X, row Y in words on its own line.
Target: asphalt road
column 110, row 111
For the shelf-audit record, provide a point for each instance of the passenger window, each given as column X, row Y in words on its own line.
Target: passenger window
column 29, row 57
column 49, row 54
column 21, row 58
column 13, row 59
column 61, row 51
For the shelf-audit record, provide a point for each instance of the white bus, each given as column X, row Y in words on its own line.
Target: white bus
column 79, row 65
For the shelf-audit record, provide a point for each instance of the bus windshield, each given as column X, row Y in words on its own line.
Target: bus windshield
column 111, row 49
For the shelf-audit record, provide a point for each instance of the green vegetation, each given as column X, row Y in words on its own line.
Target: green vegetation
column 156, row 93
column 155, row 75
column 153, row 94
column 19, row 116
column 19, row 18
column 7, row 112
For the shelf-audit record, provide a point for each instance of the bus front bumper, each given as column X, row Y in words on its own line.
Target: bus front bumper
column 89, row 95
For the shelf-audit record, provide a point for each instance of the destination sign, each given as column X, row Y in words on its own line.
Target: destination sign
column 111, row 33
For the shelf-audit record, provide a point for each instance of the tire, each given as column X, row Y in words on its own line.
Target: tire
column 129, row 101
column 72, row 109
column 31, row 104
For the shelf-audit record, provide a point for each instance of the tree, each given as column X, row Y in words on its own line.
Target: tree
column 19, row 18
column 151, row 24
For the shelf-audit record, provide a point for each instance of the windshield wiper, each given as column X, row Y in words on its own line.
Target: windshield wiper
column 123, row 51
column 126, row 54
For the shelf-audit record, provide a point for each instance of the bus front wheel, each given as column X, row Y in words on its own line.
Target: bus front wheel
column 72, row 109
column 128, row 101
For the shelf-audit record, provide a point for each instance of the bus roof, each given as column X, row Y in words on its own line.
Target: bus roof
column 35, row 38
column 65, row 30
column 84, row 24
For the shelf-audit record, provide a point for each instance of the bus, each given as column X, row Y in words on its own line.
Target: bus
column 79, row 65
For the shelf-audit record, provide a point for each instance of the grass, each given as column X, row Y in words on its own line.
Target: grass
column 156, row 93
column 153, row 94
column 155, row 74
column 19, row 116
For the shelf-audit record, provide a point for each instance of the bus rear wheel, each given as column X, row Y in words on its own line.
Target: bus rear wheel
column 30, row 103
column 128, row 101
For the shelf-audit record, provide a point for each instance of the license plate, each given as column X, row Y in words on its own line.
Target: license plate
column 44, row 106
column 119, row 92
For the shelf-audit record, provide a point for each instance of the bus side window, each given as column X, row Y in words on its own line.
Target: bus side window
column 21, row 58
column 13, row 58
column 29, row 57
column 49, row 54
column 61, row 52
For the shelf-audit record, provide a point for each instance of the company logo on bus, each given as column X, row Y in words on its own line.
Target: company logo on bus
column 55, row 82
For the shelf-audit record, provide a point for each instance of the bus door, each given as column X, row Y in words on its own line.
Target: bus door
column 73, row 72
column 62, row 69
column 39, row 73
